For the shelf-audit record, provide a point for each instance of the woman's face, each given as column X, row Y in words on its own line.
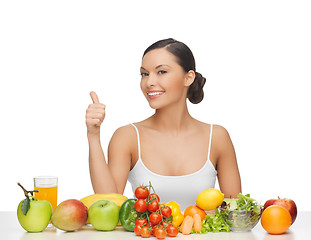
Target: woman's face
column 163, row 80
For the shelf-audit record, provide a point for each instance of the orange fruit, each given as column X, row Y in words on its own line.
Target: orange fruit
column 276, row 219
column 192, row 210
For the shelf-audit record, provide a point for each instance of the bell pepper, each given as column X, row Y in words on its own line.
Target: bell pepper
column 178, row 217
column 128, row 215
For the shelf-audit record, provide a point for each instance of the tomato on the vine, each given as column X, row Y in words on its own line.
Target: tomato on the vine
column 140, row 205
column 141, row 221
column 155, row 218
column 153, row 229
column 159, row 233
column 153, row 196
column 141, row 192
column 137, row 229
column 166, row 211
column 153, row 206
column 145, row 232
column 171, row 230
column 165, row 224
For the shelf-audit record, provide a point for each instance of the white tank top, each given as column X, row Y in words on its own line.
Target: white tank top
column 183, row 189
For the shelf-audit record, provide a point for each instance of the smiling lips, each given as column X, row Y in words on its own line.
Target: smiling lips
column 154, row 94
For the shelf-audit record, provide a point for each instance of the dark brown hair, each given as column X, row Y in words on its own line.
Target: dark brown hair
column 186, row 60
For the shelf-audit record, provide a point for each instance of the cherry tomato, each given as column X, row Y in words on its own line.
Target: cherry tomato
column 159, row 233
column 145, row 232
column 153, row 196
column 155, row 218
column 141, row 221
column 140, row 205
column 165, row 224
column 137, row 229
column 171, row 230
column 153, row 229
column 166, row 211
column 141, row 192
column 153, row 206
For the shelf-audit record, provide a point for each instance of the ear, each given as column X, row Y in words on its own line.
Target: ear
column 189, row 78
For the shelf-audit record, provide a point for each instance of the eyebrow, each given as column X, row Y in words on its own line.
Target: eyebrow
column 161, row 65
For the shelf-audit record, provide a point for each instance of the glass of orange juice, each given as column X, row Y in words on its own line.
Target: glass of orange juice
column 47, row 187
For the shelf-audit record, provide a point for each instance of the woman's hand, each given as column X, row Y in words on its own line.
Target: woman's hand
column 95, row 115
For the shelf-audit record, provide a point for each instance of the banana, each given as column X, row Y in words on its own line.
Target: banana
column 117, row 198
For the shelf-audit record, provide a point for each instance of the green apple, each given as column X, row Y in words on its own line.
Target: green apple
column 104, row 215
column 37, row 217
column 33, row 215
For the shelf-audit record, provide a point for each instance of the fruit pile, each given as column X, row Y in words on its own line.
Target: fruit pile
column 278, row 215
column 153, row 218
column 146, row 216
column 100, row 210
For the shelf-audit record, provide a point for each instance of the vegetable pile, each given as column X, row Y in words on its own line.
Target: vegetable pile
column 247, row 215
column 145, row 215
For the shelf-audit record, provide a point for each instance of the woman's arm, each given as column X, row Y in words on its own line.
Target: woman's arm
column 112, row 178
column 101, row 178
column 227, row 167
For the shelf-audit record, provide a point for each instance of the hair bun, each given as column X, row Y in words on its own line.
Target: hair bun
column 195, row 92
column 201, row 79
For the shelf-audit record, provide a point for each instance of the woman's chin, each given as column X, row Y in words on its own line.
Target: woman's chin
column 155, row 106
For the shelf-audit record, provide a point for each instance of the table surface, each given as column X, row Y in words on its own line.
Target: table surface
column 11, row 229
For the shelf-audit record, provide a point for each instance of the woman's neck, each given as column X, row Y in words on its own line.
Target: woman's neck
column 172, row 119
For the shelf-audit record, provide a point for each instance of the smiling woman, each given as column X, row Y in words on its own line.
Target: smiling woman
column 180, row 155
column 161, row 80
column 186, row 61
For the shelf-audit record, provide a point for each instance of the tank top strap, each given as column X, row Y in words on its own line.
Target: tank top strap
column 210, row 142
column 138, row 141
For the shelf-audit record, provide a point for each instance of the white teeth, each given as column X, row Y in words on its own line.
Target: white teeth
column 155, row 93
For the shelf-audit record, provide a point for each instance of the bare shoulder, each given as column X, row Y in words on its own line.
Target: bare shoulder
column 222, row 141
column 123, row 136
column 220, row 132
column 219, row 135
column 124, row 131
column 201, row 126
column 120, row 148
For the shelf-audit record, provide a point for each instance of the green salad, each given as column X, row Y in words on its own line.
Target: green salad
column 214, row 223
column 242, row 212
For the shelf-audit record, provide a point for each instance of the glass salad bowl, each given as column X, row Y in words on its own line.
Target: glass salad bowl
column 241, row 214
column 240, row 220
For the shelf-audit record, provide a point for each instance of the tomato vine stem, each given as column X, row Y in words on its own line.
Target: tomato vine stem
column 159, row 210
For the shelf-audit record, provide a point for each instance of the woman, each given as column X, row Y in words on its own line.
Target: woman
column 180, row 155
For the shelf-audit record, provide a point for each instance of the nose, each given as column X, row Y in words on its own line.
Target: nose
column 151, row 80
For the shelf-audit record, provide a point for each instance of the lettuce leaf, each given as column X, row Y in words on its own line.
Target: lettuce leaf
column 214, row 223
column 245, row 202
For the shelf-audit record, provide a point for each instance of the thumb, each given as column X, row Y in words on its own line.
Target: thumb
column 94, row 97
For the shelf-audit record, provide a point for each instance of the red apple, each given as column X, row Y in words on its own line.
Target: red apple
column 70, row 215
column 288, row 204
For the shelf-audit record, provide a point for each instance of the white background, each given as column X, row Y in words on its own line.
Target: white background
column 256, row 56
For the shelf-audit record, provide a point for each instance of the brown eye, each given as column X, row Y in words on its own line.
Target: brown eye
column 143, row 74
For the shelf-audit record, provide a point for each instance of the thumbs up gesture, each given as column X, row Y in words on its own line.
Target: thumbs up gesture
column 95, row 115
